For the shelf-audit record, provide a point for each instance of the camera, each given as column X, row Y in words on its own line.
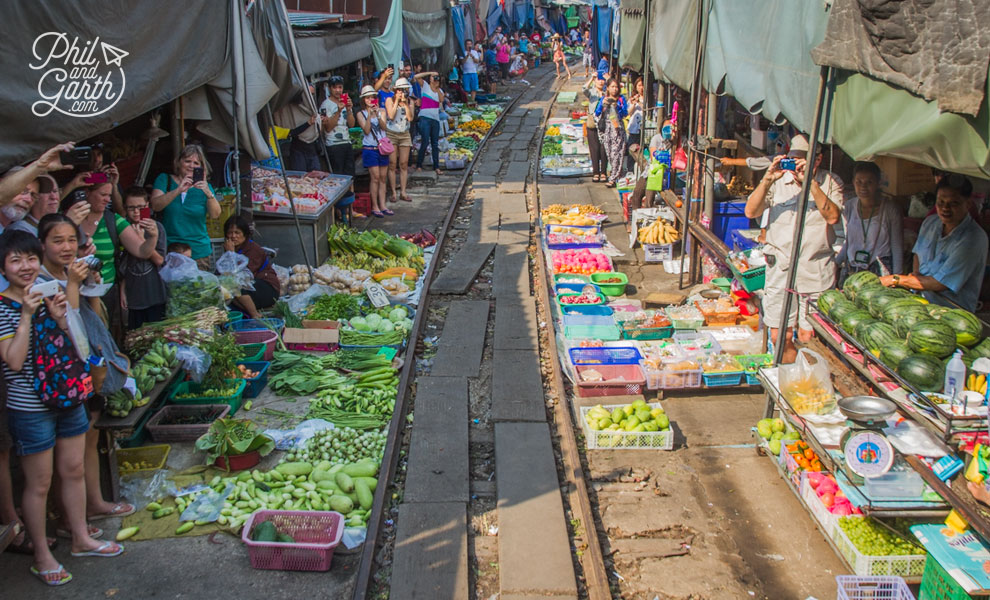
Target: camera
column 92, row 262
column 787, row 164
column 79, row 156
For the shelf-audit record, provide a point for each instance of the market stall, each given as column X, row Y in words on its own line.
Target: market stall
column 564, row 152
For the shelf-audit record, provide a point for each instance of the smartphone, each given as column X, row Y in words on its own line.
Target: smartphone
column 78, row 196
column 345, row 98
column 96, row 178
column 146, row 212
column 787, row 164
column 323, row 112
column 81, row 155
column 47, row 289
column 391, row 66
column 197, row 174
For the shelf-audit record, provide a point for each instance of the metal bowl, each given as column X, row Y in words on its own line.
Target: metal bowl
column 866, row 409
column 711, row 294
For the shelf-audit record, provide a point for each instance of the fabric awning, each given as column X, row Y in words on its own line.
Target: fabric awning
column 673, row 29
column 937, row 49
column 632, row 33
column 329, row 49
column 138, row 72
column 387, row 48
column 873, row 117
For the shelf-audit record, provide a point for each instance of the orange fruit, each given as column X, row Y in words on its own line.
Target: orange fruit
column 678, row 204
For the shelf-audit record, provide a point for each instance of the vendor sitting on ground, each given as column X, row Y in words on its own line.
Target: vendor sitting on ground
column 873, row 226
column 237, row 238
column 778, row 193
column 951, row 252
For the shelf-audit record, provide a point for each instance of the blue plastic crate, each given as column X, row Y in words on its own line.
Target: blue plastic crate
column 257, row 325
column 722, row 379
column 587, row 309
column 751, row 379
column 615, row 355
column 256, row 384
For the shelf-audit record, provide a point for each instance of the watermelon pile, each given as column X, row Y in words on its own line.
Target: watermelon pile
column 903, row 330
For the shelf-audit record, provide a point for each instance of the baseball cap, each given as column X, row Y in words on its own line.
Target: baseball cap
column 799, row 146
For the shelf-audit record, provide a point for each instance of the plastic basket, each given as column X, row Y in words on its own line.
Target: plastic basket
column 827, row 520
column 153, row 455
column 722, row 379
column 630, row 331
column 254, row 385
column 617, row 355
column 316, row 535
column 570, row 278
column 891, row 587
column 904, row 566
column 573, row 288
column 266, row 337
column 611, row 289
column 654, row 253
column 163, row 432
column 695, row 321
column 252, row 352
column 234, row 315
column 626, row 440
column 189, row 387
column 606, row 333
column 674, row 380
column 751, row 280
column 620, row 380
column 601, row 299
column 591, row 230
column 268, row 324
column 937, row 584
column 586, row 309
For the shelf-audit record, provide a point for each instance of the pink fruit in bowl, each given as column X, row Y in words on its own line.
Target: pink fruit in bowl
column 827, row 486
column 815, row 478
column 842, row 510
column 828, row 500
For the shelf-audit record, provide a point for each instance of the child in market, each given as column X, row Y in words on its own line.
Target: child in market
column 180, row 248
column 142, row 290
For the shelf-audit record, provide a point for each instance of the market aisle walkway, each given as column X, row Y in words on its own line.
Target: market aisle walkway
column 713, row 519
column 534, row 555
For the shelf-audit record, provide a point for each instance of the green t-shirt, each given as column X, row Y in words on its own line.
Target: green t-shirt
column 104, row 247
column 185, row 217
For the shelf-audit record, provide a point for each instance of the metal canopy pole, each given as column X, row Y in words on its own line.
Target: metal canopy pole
column 236, row 155
column 799, row 226
column 700, row 39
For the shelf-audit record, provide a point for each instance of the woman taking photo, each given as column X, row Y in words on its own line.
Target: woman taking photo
column 185, row 200
column 429, row 121
column 59, row 238
column 873, row 226
column 45, row 438
column 138, row 240
column 371, row 121
column 599, row 165
column 558, row 55
column 399, row 112
column 237, row 238
column 610, row 111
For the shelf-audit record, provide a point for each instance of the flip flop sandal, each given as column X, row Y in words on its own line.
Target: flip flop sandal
column 377, row 214
column 118, row 510
column 405, row 198
column 388, row 212
column 44, row 575
column 100, row 551
column 93, row 531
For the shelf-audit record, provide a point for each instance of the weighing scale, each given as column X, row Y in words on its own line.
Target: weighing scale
column 865, row 447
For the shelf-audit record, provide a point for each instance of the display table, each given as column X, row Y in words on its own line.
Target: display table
column 278, row 230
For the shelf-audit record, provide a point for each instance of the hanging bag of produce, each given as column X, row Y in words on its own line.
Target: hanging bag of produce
column 234, row 275
column 654, row 181
column 189, row 289
column 807, row 384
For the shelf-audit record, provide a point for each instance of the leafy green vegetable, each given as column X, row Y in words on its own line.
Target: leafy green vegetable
column 291, row 319
column 224, row 353
column 334, row 307
column 232, row 437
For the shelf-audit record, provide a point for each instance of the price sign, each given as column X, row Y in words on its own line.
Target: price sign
column 377, row 295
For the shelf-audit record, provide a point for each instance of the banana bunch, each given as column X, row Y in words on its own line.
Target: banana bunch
column 977, row 383
column 554, row 209
column 659, row 232
column 121, row 402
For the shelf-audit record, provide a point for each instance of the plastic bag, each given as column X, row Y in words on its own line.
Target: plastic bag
column 301, row 301
column 195, row 362
column 207, row 505
column 287, row 439
column 189, row 289
column 283, row 278
column 139, row 489
column 807, row 384
column 234, row 275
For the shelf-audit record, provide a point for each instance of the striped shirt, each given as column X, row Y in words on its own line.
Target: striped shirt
column 20, row 384
column 430, row 105
column 104, row 247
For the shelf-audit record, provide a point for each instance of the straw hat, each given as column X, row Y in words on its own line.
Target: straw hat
column 368, row 91
column 402, row 82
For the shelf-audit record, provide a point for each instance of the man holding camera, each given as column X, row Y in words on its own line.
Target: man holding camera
column 337, row 114
column 778, row 194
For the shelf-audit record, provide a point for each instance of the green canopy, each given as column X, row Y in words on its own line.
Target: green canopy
column 871, row 117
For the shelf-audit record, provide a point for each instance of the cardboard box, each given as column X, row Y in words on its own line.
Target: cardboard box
column 903, row 177
column 321, row 336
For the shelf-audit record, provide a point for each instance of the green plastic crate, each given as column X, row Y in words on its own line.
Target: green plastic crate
column 936, row 584
column 189, row 387
column 753, row 279
column 253, row 352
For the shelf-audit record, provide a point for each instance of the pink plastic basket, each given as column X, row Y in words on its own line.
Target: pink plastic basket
column 316, row 535
column 261, row 336
column 620, row 380
column 879, row 587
